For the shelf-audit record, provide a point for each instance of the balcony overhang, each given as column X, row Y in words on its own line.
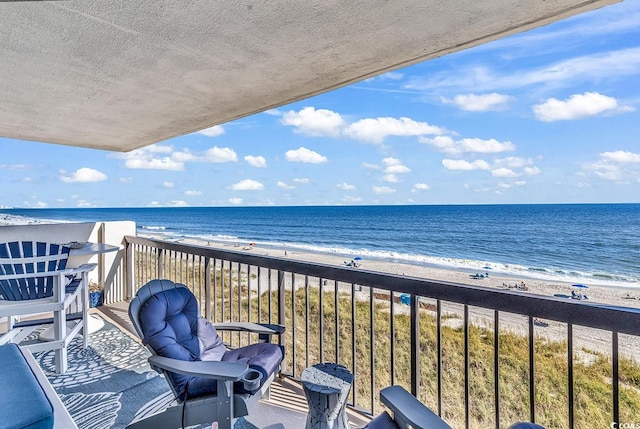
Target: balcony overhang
column 119, row 75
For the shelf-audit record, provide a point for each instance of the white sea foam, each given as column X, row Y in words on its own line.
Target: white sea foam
column 469, row 265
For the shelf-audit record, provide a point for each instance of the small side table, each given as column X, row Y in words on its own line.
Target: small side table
column 327, row 386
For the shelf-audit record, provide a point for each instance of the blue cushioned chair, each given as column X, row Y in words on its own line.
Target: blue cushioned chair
column 407, row 412
column 210, row 382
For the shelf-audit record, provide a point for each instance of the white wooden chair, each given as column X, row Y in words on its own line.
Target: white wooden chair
column 34, row 280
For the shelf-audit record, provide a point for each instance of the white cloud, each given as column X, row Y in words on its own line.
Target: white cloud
column 511, row 185
column 193, row 193
column 301, row 181
column 84, row 175
column 256, row 161
column 617, row 166
column 608, row 171
column 154, row 164
column 220, row 155
column 154, row 204
column 387, row 76
column 126, row 180
column 247, row 185
column 448, row 145
column 235, row 201
column 420, row 187
column 168, row 185
column 16, row 167
column 381, row 190
column 283, row 185
column 513, row 162
column 156, row 157
column 375, row 130
column 621, row 156
column 575, row 107
column 370, row 166
column 532, row 171
column 36, row 205
column 305, row 155
column 394, row 166
column 479, row 102
column 504, row 172
column 84, row 204
column 391, row 178
column 588, row 68
column 183, row 156
column 345, row 186
column 160, row 157
column 462, row 165
column 214, row 131
column 178, row 203
column 351, row 199
column 314, row 122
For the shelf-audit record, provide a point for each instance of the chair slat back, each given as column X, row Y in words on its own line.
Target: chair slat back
column 28, row 257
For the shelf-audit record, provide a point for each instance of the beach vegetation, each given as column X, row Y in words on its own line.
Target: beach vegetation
column 372, row 335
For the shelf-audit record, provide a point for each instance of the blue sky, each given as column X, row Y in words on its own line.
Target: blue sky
column 546, row 116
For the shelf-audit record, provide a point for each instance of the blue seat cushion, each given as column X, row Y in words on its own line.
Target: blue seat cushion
column 171, row 325
column 23, row 403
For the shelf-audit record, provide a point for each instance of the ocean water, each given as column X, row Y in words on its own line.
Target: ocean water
column 588, row 243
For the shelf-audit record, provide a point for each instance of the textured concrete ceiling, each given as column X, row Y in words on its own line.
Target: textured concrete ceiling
column 122, row 74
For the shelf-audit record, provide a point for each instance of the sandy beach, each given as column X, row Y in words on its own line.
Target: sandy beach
column 621, row 296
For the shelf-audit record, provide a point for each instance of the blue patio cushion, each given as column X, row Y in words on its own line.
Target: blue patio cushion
column 23, row 403
column 172, row 326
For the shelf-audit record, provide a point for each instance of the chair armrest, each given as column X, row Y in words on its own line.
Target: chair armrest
column 255, row 328
column 264, row 330
column 408, row 410
column 226, row 371
column 81, row 269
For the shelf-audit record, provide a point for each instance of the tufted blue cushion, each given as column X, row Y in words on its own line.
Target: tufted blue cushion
column 172, row 327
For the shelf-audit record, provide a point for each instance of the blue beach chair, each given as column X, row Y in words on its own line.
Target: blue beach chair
column 209, row 381
column 34, row 280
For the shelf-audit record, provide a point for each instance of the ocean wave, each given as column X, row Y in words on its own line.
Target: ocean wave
column 550, row 274
column 153, row 228
column 469, row 265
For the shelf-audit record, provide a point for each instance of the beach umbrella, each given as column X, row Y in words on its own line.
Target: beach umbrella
column 357, row 258
column 581, row 286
